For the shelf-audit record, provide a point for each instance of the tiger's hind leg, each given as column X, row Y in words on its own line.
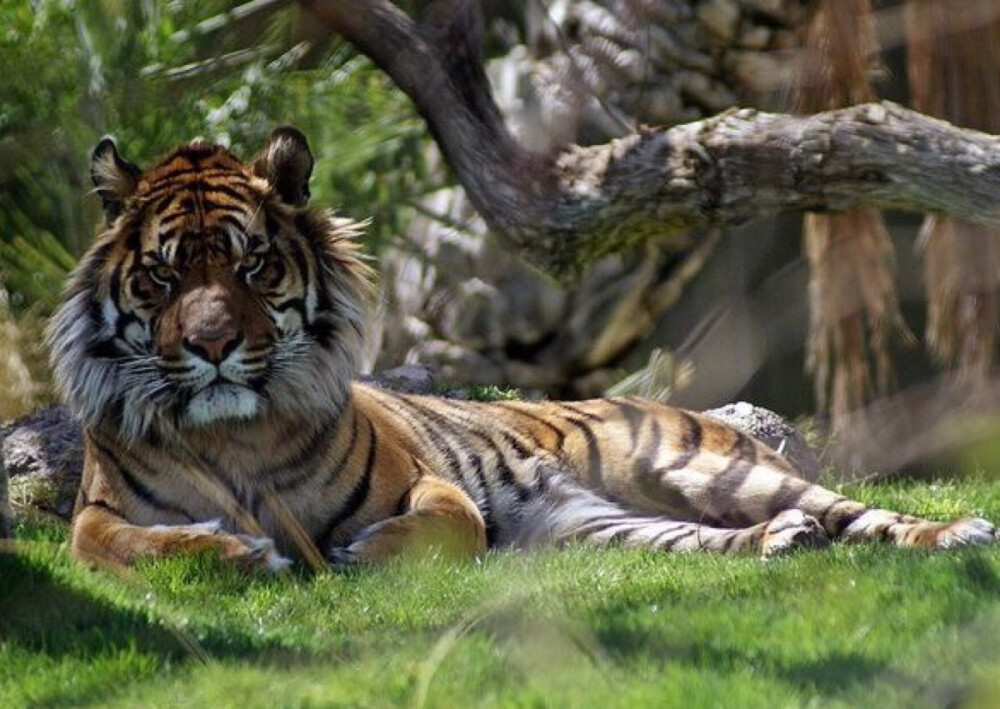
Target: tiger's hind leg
column 566, row 512
column 736, row 480
column 436, row 516
column 761, row 492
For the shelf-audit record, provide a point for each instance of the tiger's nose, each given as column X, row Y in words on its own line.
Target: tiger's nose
column 213, row 345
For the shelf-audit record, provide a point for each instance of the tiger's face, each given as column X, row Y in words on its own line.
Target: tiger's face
column 214, row 294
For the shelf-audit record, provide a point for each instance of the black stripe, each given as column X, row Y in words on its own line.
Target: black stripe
column 290, row 303
column 634, row 416
column 486, row 505
column 221, row 181
column 559, row 433
column 506, row 474
column 358, row 495
column 232, row 221
column 225, row 188
column 671, row 527
column 691, row 441
column 787, row 496
column 465, row 429
column 179, row 186
column 163, row 205
column 136, row 486
column 590, row 530
column 212, row 206
column 522, row 451
column 463, row 417
column 594, row 462
column 744, row 450
column 101, row 504
column 348, row 450
column 836, row 526
column 672, row 542
column 621, row 535
column 725, row 484
column 103, row 349
column 313, row 448
column 593, row 525
column 649, row 454
column 430, row 435
column 581, row 412
column 169, row 175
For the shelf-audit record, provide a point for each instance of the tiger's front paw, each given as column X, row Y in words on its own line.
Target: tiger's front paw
column 261, row 553
column 342, row 556
column 790, row 530
column 242, row 549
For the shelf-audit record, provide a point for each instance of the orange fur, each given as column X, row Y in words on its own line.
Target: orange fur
column 208, row 339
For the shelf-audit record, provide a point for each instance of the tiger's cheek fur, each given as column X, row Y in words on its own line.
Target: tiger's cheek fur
column 287, row 286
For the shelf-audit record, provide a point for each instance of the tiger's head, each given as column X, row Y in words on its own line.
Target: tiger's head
column 213, row 294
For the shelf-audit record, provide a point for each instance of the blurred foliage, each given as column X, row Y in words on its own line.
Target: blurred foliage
column 22, row 368
column 156, row 74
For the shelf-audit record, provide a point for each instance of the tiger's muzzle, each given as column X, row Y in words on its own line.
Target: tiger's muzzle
column 208, row 323
column 208, row 334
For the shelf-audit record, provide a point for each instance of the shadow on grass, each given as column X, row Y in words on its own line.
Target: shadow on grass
column 828, row 675
column 46, row 616
column 42, row 614
column 835, row 673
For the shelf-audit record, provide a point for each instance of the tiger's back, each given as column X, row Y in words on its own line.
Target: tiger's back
column 208, row 340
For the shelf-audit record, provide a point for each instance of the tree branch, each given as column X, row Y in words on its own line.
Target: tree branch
column 563, row 211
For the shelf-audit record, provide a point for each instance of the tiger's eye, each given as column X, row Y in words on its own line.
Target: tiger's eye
column 162, row 274
column 251, row 265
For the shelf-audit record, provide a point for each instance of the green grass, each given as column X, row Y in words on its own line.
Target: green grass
column 848, row 626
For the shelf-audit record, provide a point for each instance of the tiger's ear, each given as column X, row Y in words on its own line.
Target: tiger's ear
column 114, row 177
column 286, row 163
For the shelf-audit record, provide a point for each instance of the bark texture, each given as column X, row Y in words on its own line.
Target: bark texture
column 566, row 210
column 583, row 72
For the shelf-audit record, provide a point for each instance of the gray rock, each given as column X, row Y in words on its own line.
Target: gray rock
column 774, row 431
column 755, row 37
column 6, row 514
column 472, row 315
column 44, row 456
column 408, row 379
column 458, row 364
column 720, row 18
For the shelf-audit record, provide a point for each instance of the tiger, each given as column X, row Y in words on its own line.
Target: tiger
column 210, row 342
